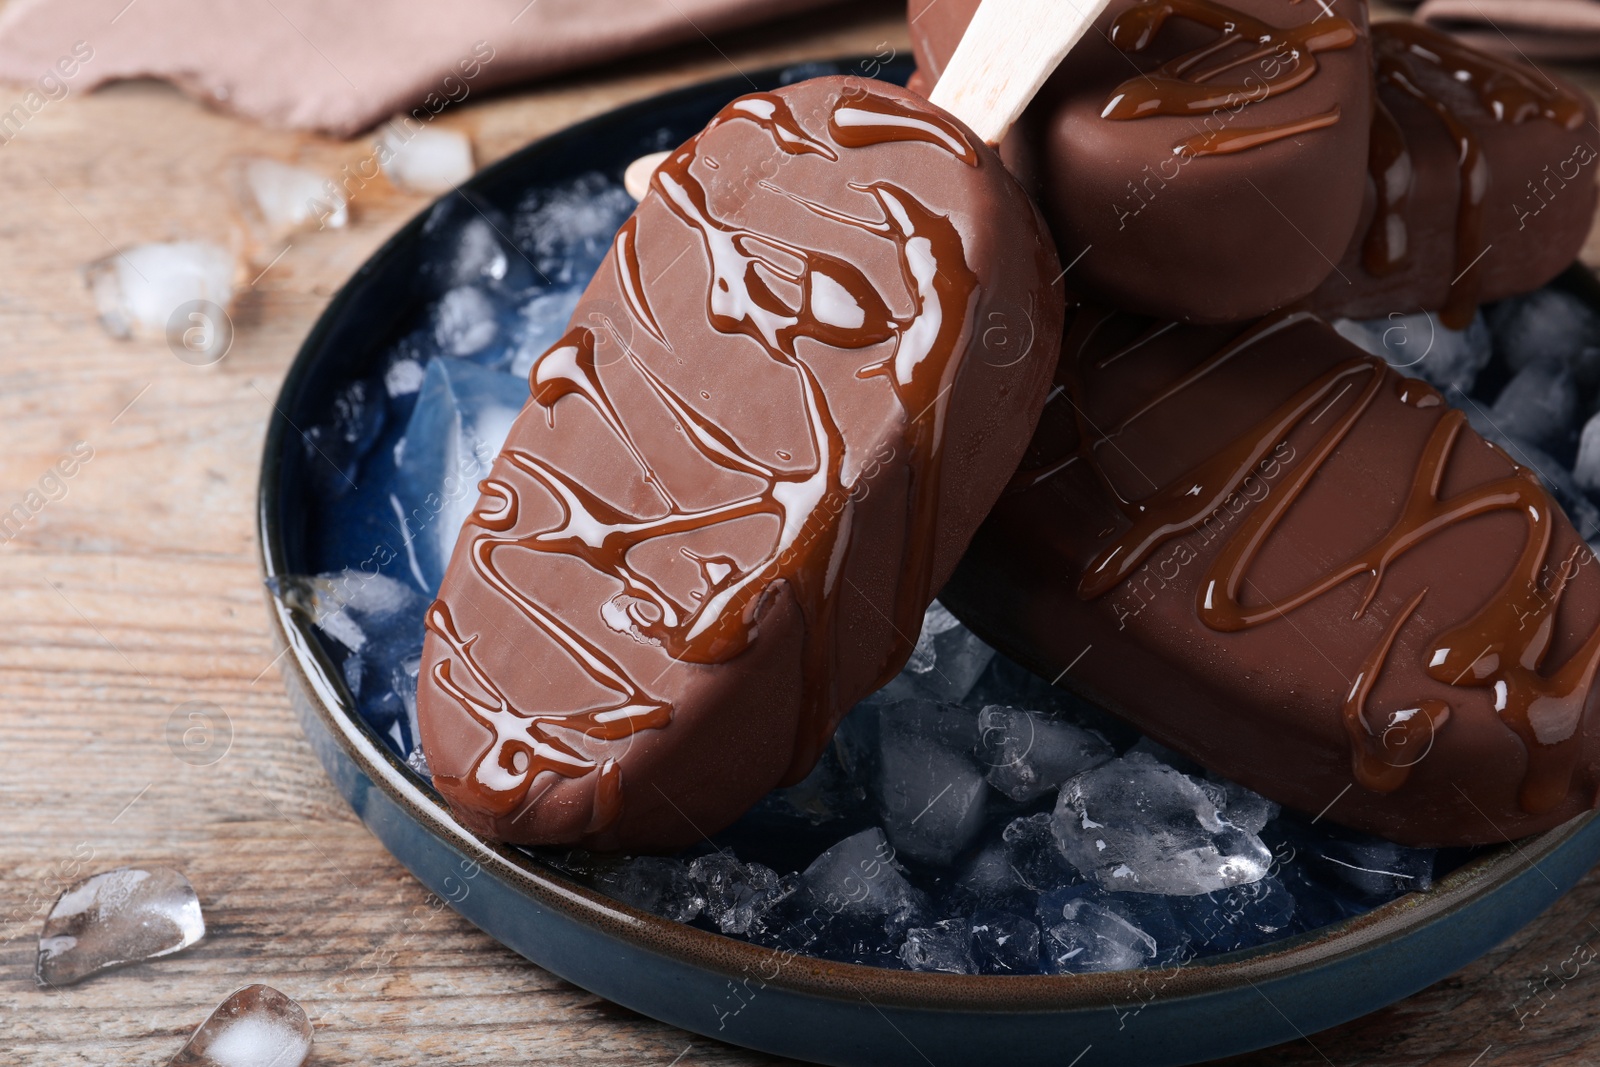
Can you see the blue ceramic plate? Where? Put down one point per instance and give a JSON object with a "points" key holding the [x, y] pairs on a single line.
{"points": [[779, 1002]]}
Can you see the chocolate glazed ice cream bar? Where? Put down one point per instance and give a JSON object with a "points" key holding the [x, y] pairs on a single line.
{"points": [[1481, 181], [1200, 160], [793, 390], [1274, 554]]}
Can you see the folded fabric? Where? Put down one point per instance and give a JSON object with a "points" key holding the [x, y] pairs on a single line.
{"points": [[340, 67], [1530, 29]]}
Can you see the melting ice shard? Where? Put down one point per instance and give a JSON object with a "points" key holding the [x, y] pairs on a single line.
{"points": [[116, 918], [255, 1027]]}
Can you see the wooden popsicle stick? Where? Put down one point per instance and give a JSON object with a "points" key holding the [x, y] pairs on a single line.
{"points": [[1008, 50], [636, 179]]}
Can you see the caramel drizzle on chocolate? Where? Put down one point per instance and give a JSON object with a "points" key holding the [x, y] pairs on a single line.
{"points": [[837, 307], [1186, 85], [1508, 93], [1502, 648]]}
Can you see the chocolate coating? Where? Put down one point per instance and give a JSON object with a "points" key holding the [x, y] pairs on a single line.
{"points": [[1481, 181], [1272, 553], [1203, 174], [791, 393]]}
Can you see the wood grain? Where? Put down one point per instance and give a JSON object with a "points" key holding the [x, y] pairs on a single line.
{"points": [[137, 592], [1008, 50]]}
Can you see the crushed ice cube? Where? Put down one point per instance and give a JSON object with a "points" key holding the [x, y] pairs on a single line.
{"points": [[1556, 478], [930, 790], [656, 884], [736, 894], [1539, 405], [1034, 856], [1239, 917], [859, 878], [403, 378], [1420, 346], [945, 663], [944, 946], [1586, 468], [284, 198], [1022, 860], [335, 449], [464, 321], [348, 605], [541, 323], [1029, 754], [138, 291], [1137, 825], [567, 229], [1004, 942], [462, 416], [1548, 325], [1242, 808], [255, 1027], [426, 159], [466, 240], [116, 918], [377, 620], [1081, 936]]}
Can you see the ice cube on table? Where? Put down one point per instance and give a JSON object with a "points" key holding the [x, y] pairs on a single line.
{"points": [[1420, 346], [859, 878], [1540, 406], [1004, 942], [462, 416], [736, 894], [945, 946], [255, 1027], [1548, 324], [424, 159], [1137, 825], [945, 663], [656, 884], [284, 198], [1087, 936], [464, 321], [1028, 754], [930, 791], [139, 291], [116, 918]]}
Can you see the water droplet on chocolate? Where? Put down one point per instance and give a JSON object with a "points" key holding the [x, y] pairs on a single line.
{"points": [[255, 1027], [116, 918]]}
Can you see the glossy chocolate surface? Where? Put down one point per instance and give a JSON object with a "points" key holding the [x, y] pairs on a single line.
{"points": [[1271, 552], [1481, 186], [794, 388], [1205, 159]]}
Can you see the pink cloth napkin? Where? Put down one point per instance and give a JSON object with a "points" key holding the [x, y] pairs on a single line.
{"points": [[1533, 29], [343, 65]]}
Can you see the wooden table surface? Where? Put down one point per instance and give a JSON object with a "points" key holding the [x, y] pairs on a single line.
{"points": [[137, 591]]}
